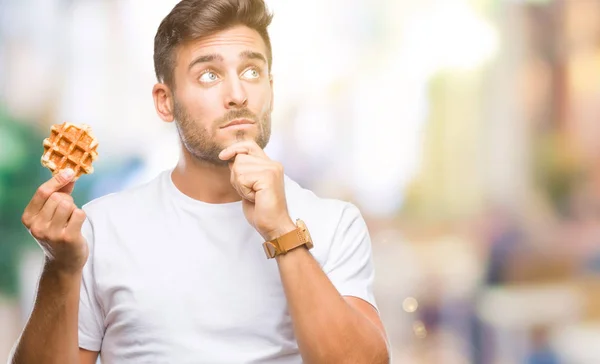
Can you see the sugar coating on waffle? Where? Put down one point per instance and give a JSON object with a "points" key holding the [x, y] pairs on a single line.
{"points": [[70, 146]]}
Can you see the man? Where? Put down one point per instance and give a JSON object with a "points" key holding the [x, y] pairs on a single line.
{"points": [[173, 271]]}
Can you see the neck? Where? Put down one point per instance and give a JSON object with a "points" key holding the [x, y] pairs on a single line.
{"points": [[203, 181]]}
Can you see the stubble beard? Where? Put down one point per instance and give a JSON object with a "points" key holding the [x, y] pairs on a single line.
{"points": [[200, 143]]}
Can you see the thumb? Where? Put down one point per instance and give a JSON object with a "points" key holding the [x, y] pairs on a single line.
{"points": [[60, 180], [63, 181]]}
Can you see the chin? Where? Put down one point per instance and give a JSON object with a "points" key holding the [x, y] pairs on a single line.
{"points": [[238, 135], [232, 136]]}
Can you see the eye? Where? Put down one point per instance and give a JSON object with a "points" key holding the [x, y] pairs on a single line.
{"points": [[208, 77], [251, 74]]}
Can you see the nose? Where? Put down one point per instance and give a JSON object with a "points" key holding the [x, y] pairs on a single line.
{"points": [[236, 96]]}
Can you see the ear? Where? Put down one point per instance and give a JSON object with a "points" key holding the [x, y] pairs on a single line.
{"points": [[163, 102], [272, 92]]}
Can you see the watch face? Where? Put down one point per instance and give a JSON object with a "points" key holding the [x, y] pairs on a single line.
{"points": [[307, 237]]}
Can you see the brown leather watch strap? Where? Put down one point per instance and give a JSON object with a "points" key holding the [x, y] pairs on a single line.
{"points": [[289, 241]]}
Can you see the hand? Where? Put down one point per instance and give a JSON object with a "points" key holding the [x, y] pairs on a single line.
{"points": [[259, 181], [55, 222]]}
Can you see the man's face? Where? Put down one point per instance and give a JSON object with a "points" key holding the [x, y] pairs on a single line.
{"points": [[222, 79]]}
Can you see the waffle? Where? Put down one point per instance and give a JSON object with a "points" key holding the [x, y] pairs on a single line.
{"points": [[70, 146]]}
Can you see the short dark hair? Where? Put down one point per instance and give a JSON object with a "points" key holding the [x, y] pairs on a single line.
{"points": [[193, 19]]}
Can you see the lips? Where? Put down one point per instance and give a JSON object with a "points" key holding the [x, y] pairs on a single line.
{"points": [[238, 122]]}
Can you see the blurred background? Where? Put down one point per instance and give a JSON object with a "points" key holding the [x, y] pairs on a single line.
{"points": [[466, 131]]}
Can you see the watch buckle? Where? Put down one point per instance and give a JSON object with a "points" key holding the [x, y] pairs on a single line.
{"points": [[270, 249]]}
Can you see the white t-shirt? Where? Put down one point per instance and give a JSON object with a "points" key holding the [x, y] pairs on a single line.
{"points": [[174, 280]]}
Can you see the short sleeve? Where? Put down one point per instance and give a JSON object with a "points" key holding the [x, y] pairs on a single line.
{"points": [[349, 264], [91, 327]]}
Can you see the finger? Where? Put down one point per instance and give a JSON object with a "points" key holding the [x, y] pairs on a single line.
{"points": [[244, 147], [244, 186], [76, 222], [49, 208], [248, 163], [68, 188], [61, 217], [43, 193], [245, 164], [63, 196]]}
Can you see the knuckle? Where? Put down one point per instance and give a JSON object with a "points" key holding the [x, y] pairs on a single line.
{"points": [[43, 192], [38, 232], [80, 213], [57, 236], [65, 204], [51, 237], [55, 197], [65, 196], [25, 219], [64, 237], [275, 169]]}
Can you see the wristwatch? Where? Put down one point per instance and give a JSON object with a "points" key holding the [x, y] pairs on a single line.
{"points": [[292, 240]]}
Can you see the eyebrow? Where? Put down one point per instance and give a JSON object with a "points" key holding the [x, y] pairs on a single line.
{"points": [[217, 57], [206, 59], [253, 55]]}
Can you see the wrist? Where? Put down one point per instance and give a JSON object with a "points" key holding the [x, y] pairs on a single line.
{"points": [[62, 272], [293, 254], [57, 282], [283, 228]]}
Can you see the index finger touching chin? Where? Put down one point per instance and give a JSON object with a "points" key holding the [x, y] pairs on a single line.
{"points": [[246, 147]]}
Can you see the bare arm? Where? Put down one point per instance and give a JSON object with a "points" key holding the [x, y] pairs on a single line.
{"points": [[87, 357], [51, 333], [329, 328]]}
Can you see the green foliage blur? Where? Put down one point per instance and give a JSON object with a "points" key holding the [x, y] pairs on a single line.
{"points": [[20, 174]]}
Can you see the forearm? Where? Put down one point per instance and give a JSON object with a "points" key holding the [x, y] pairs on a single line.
{"points": [[327, 328], [51, 333]]}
